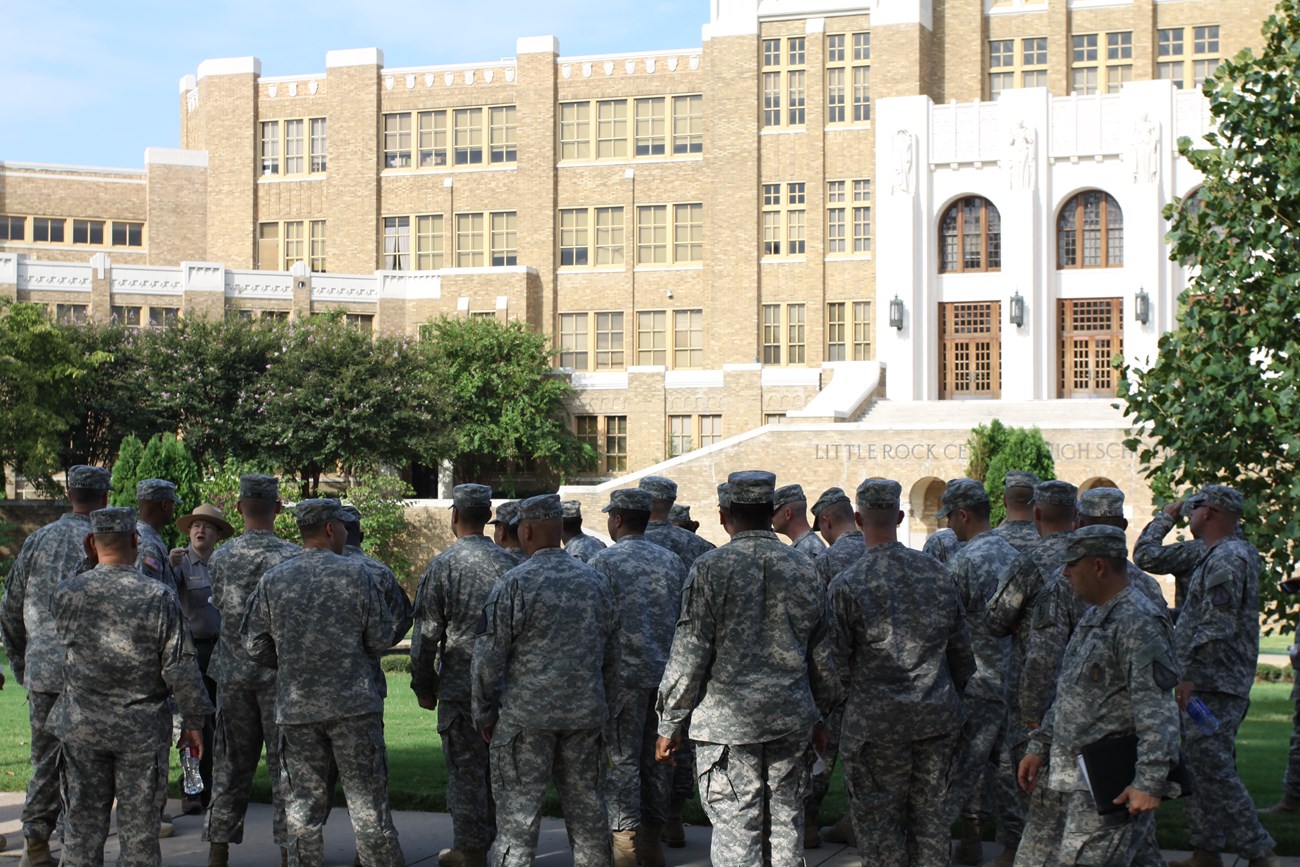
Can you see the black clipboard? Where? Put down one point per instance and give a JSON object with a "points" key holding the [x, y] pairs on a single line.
{"points": [[1108, 766]]}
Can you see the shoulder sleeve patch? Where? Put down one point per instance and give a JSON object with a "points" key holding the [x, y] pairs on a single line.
{"points": [[1164, 677], [152, 565]]}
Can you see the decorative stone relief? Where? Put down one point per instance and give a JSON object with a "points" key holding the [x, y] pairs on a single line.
{"points": [[449, 78], [510, 74], [672, 64], [410, 82], [1021, 162], [586, 70], [566, 70], [1146, 151], [488, 75], [428, 79], [388, 82], [609, 67], [650, 65], [273, 89], [312, 87], [904, 163], [192, 100], [293, 88], [629, 66], [469, 76], [695, 61]]}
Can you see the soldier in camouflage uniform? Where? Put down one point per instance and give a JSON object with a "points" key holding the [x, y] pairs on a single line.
{"points": [[1178, 559], [790, 519], [1018, 526], [506, 530], [126, 649], [646, 580], [245, 690], [1105, 506], [752, 671], [448, 605], [48, 556], [834, 517], [724, 520], [318, 619], [1116, 679], [156, 500], [545, 665], [399, 604], [1217, 642], [680, 516], [942, 545], [902, 651], [576, 542], [975, 568]]}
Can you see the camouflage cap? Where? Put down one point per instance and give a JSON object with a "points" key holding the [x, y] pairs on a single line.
{"points": [[1102, 503], [787, 494], [544, 507], [631, 499], [471, 497], [156, 490], [1222, 497], [506, 513], [112, 520], [350, 514], [752, 487], [256, 486], [1096, 540], [724, 496], [879, 494], [962, 494], [89, 478], [829, 497], [659, 487], [679, 514], [1019, 479], [1054, 493], [318, 510], [571, 509]]}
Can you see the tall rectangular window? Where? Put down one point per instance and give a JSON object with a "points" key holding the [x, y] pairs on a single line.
{"points": [[688, 124], [316, 242], [652, 337], [1119, 59], [836, 218], [861, 330], [574, 242], [575, 130], [295, 148], [609, 341], [796, 333], [616, 443], [611, 129], [470, 241], [786, 82], [835, 331], [772, 235], [431, 139], [652, 235], [796, 219], [1002, 66], [771, 99], [862, 216], [710, 430], [467, 143], [397, 243], [505, 238], [429, 242], [688, 339], [609, 236], [681, 434], [501, 134], [294, 244], [651, 127], [688, 233], [573, 341], [1173, 61], [268, 246], [797, 106], [1083, 67], [587, 429], [319, 143], [397, 141], [270, 147], [771, 333], [848, 77]]}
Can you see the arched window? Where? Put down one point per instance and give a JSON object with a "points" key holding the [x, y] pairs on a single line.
{"points": [[970, 236], [1090, 232]]}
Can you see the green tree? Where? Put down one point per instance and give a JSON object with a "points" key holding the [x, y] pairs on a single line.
{"points": [[126, 473], [995, 448], [165, 457], [381, 501], [507, 405], [1219, 403]]}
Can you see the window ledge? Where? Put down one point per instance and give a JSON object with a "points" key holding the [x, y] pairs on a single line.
{"points": [[776, 130], [772, 260], [858, 126], [445, 170], [585, 269], [280, 179], [629, 161], [854, 257], [644, 268]]}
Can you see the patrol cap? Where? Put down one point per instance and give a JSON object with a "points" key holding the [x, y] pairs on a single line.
{"points": [[829, 497], [1055, 492], [631, 499], [724, 495], [787, 494], [1102, 503], [114, 519], [571, 509], [679, 513], [1221, 497], [351, 514], [659, 487], [255, 486], [1019, 479], [879, 494], [752, 487], [471, 497], [506, 513], [543, 507], [157, 490], [1096, 540], [962, 494], [89, 478], [318, 510]]}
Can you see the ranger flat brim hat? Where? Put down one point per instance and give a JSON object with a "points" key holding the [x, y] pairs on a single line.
{"points": [[211, 514]]}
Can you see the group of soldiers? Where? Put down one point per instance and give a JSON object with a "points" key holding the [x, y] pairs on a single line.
{"points": [[956, 685]]}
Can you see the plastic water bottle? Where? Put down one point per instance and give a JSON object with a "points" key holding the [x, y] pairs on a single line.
{"points": [[1202, 717], [193, 783]]}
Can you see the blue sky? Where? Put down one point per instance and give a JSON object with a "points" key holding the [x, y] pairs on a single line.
{"points": [[96, 83]]}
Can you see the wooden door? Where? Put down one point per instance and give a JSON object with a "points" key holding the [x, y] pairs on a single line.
{"points": [[970, 351]]}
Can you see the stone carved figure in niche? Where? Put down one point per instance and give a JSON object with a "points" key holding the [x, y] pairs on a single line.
{"points": [[1022, 161], [904, 161], [1146, 151]]}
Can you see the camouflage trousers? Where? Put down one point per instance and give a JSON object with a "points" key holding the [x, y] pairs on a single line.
{"points": [[469, 781], [1014, 806], [356, 745], [754, 796], [92, 779], [43, 805], [980, 787], [896, 794], [1221, 814], [637, 788], [245, 720], [1040, 845], [1291, 779], [1088, 842], [523, 761], [820, 783], [683, 785]]}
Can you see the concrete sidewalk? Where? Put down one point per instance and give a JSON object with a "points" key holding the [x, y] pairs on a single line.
{"points": [[423, 835]]}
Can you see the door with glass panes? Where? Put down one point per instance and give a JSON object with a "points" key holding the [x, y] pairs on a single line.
{"points": [[1091, 334], [970, 350]]}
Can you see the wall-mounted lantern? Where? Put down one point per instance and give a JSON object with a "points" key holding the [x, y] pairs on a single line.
{"points": [[1142, 306], [896, 313], [1017, 311]]}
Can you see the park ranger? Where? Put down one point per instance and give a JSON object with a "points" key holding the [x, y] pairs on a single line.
{"points": [[545, 663], [448, 605], [576, 542], [48, 555], [318, 619], [790, 519]]}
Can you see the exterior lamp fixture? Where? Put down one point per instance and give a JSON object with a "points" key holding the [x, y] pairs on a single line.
{"points": [[896, 313], [1017, 312], [1142, 306]]}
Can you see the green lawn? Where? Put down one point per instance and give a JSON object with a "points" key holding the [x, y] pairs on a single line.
{"points": [[1276, 643], [418, 780]]}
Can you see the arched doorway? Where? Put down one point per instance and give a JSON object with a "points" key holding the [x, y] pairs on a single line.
{"points": [[1097, 482], [923, 505]]}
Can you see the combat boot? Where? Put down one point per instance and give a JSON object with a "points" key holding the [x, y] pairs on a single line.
{"points": [[1200, 858], [474, 858], [219, 855], [1286, 806], [969, 842], [649, 847], [1268, 859], [674, 833], [4, 842], [840, 833], [812, 835], [37, 853], [624, 848], [1006, 859]]}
